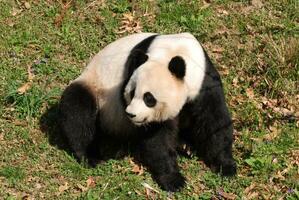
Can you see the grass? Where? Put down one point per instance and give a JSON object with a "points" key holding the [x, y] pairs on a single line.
{"points": [[45, 44]]}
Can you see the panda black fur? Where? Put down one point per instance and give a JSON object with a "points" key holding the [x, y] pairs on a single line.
{"points": [[149, 91]]}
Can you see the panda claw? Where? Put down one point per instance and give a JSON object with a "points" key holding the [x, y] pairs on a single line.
{"points": [[171, 182], [93, 162], [225, 169]]}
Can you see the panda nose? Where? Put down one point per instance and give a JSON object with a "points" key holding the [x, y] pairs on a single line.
{"points": [[130, 114]]}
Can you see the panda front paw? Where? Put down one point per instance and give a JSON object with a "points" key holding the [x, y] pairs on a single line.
{"points": [[93, 162], [171, 182], [225, 168], [229, 168]]}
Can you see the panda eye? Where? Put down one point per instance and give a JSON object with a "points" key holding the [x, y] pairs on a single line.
{"points": [[149, 99]]}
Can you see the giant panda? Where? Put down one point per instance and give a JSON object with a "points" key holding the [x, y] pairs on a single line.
{"points": [[149, 92]]}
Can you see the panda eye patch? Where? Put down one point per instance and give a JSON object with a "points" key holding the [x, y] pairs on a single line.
{"points": [[149, 99]]}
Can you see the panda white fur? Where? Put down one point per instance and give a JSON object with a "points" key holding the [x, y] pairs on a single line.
{"points": [[147, 92]]}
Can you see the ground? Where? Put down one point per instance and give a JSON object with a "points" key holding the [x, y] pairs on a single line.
{"points": [[45, 44]]}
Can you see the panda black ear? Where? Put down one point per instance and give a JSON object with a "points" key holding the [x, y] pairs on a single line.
{"points": [[177, 67], [139, 57], [136, 58]]}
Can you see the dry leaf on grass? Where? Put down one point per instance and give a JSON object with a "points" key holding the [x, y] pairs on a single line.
{"points": [[217, 49], [249, 192], [250, 93], [27, 86], [59, 18], [146, 185], [283, 111], [253, 195], [272, 135], [24, 88], [27, 5], [137, 169], [130, 24], [30, 73], [229, 196], [222, 11], [16, 11], [249, 188], [38, 186], [63, 188], [257, 3], [81, 187], [90, 182], [150, 191], [206, 4], [26, 197]]}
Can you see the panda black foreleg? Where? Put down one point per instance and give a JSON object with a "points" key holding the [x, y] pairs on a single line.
{"points": [[158, 153], [78, 117], [209, 130], [219, 151]]}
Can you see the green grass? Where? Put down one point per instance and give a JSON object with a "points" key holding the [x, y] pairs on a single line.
{"points": [[255, 45]]}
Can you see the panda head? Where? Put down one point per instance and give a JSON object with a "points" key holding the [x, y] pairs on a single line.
{"points": [[156, 91]]}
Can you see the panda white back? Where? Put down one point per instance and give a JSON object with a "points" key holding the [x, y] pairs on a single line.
{"points": [[108, 65]]}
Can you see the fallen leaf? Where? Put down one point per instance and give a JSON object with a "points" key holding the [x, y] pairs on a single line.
{"points": [[253, 195], [225, 195], [283, 111], [130, 24], [257, 3], [128, 16], [15, 11], [24, 88], [146, 185], [275, 160], [20, 123], [235, 81], [26, 197], [279, 176], [27, 5], [38, 186], [137, 192], [30, 73], [90, 182], [81, 187], [63, 188], [138, 169], [217, 50], [206, 4], [222, 11], [272, 135], [59, 19], [250, 93], [249, 188], [10, 22]]}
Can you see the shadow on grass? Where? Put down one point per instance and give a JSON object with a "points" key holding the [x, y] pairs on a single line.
{"points": [[49, 125], [101, 149]]}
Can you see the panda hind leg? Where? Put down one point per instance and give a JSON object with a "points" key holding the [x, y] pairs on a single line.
{"points": [[78, 114]]}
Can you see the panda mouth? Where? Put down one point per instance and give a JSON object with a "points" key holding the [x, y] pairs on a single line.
{"points": [[138, 123]]}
